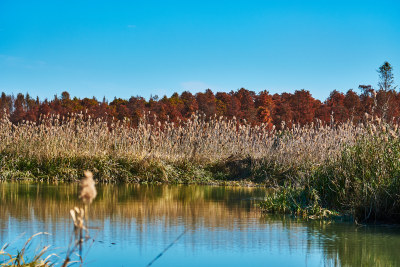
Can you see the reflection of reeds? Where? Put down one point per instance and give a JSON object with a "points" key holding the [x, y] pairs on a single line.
{"points": [[215, 205], [210, 213], [87, 193], [142, 204]]}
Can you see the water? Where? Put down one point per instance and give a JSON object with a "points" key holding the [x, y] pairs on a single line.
{"points": [[221, 226]]}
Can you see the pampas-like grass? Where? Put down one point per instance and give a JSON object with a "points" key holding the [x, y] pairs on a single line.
{"points": [[80, 217], [57, 148], [88, 190]]}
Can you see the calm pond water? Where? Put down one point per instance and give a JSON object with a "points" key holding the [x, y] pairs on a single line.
{"points": [[221, 227]]}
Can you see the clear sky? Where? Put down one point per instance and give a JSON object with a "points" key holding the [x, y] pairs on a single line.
{"points": [[128, 48]]}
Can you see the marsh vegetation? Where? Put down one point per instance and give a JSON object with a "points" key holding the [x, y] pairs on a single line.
{"points": [[315, 169]]}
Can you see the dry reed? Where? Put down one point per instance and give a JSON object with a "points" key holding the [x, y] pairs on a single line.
{"points": [[80, 218], [88, 190], [20, 259], [61, 147]]}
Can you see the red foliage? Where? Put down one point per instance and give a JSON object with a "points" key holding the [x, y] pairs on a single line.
{"points": [[243, 104]]}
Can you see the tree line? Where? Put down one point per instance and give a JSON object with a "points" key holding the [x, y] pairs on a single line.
{"points": [[245, 105]]}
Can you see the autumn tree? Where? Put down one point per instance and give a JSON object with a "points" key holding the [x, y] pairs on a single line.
{"points": [[173, 106], [367, 97], [265, 107], [137, 108], [6, 104], [120, 109], [335, 102], [44, 108], [190, 105], [323, 113], [234, 106], [303, 106], [19, 109], [247, 109], [207, 103], [283, 111], [56, 106], [353, 105], [32, 108], [223, 101]]}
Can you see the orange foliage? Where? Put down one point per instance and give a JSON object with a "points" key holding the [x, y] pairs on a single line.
{"points": [[255, 108]]}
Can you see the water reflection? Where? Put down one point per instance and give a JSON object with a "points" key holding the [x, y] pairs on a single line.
{"points": [[223, 228]]}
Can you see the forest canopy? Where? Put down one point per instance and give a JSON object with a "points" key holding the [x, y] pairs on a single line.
{"points": [[245, 105]]}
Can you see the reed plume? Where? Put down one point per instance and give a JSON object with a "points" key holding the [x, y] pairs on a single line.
{"points": [[80, 217], [88, 190]]}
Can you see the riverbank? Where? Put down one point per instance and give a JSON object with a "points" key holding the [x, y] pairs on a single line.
{"points": [[116, 170], [314, 171], [363, 183]]}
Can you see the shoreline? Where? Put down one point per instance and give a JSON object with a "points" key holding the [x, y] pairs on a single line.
{"points": [[270, 205], [315, 171]]}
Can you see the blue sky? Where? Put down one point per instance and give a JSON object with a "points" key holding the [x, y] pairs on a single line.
{"points": [[128, 48]]}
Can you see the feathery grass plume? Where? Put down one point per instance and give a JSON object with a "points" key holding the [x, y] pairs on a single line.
{"points": [[87, 194], [88, 190], [80, 217]]}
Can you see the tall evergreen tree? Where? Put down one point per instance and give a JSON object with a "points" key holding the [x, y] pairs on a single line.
{"points": [[386, 78]]}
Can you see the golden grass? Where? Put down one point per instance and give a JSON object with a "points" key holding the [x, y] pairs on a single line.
{"points": [[68, 144]]}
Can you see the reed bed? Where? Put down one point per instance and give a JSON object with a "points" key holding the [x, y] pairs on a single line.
{"points": [[195, 150], [361, 182], [315, 169]]}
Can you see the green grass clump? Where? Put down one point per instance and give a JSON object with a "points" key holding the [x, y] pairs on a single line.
{"points": [[363, 182], [301, 202]]}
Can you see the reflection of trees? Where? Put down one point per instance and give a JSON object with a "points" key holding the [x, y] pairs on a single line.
{"points": [[193, 206], [345, 244], [23, 201], [217, 217], [365, 246]]}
